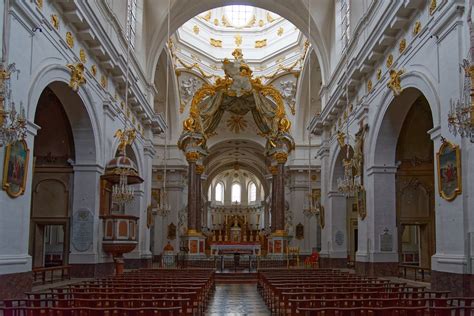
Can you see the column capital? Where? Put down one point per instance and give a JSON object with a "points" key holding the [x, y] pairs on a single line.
{"points": [[281, 157], [199, 169], [273, 170]]}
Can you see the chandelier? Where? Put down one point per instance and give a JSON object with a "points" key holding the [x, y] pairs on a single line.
{"points": [[461, 114], [122, 193], [163, 209], [12, 123], [347, 184]]}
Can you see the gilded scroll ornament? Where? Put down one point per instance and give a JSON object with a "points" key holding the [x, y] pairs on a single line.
{"points": [[94, 70], [207, 16], [82, 55], [280, 31], [281, 157], [270, 19], [261, 43], [369, 86], [196, 29], [432, 7], [215, 42], [402, 46], [69, 40], [394, 82], [238, 40], [389, 61], [55, 21], [125, 137], [417, 28], [103, 81], [379, 74], [192, 156], [77, 76]]}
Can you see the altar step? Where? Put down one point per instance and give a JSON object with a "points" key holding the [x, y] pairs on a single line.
{"points": [[236, 277]]}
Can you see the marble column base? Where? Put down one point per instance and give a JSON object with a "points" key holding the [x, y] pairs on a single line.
{"points": [[15, 285], [377, 269], [97, 270], [196, 244], [458, 284]]}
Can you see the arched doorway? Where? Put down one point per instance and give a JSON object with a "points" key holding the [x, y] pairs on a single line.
{"points": [[415, 187], [53, 181]]}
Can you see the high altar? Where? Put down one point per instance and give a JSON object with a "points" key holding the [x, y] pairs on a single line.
{"points": [[236, 237]]}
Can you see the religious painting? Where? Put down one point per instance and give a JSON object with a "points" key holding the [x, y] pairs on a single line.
{"points": [[171, 231], [449, 171], [299, 231], [155, 198], [277, 246], [361, 205], [15, 168], [193, 246]]}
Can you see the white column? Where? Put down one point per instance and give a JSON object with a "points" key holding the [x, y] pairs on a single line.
{"points": [[336, 225]]}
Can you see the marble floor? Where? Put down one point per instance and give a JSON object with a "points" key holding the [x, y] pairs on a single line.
{"points": [[237, 299]]}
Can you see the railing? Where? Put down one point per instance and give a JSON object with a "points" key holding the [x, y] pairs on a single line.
{"points": [[416, 273], [42, 272]]}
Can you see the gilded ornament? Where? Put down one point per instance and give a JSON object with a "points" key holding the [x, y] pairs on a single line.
{"points": [[394, 82], [216, 22], [192, 156], [39, 4], [273, 170], [369, 86], [55, 21], [237, 123], [215, 42], [225, 22], [402, 46], [261, 43], [125, 137], [270, 19], [389, 61], [432, 6], [280, 31], [77, 76], [207, 16], [199, 169], [128, 113], [238, 40], [281, 157], [284, 125], [252, 21], [196, 29], [417, 28], [69, 40], [103, 81], [379, 74], [82, 55], [94, 70], [122, 105], [261, 23]]}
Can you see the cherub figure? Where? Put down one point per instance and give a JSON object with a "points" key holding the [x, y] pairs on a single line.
{"points": [[77, 76]]}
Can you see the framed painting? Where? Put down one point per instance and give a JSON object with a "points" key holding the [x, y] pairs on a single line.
{"points": [[449, 171], [15, 168]]}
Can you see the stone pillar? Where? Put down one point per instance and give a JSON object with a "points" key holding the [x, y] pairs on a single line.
{"points": [[280, 194], [336, 230], [199, 171], [377, 252], [192, 157], [274, 171]]}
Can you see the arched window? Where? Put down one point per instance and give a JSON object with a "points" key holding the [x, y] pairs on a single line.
{"points": [[236, 192], [252, 192], [219, 192]]}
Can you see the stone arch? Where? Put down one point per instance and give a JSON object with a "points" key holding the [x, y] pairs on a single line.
{"points": [[182, 11], [78, 107], [389, 117]]}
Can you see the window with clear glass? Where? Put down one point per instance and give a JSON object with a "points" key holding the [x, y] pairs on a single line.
{"points": [[236, 193], [132, 21], [238, 15], [219, 192], [345, 22], [252, 192]]}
